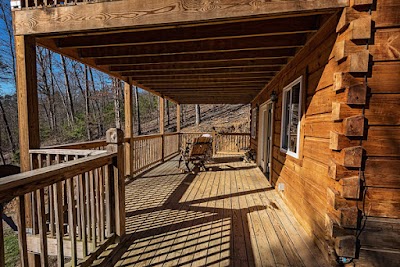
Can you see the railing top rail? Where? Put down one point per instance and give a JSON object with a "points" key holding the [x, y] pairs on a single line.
{"points": [[26, 182], [195, 132], [169, 134], [244, 134], [77, 152], [144, 137], [80, 145], [219, 133]]}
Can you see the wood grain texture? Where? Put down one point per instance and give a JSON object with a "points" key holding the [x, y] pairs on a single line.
{"points": [[122, 14]]}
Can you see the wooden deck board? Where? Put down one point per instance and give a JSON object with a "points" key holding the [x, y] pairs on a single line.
{"points": [[228, 216]]}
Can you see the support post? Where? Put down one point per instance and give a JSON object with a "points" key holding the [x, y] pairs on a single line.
{"points": [[115, 143], [178, 124], [28, 117], [178, 118], [162, 123], [128, 128]]}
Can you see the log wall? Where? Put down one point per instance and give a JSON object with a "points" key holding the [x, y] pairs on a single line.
{"points": [[345, 186]]}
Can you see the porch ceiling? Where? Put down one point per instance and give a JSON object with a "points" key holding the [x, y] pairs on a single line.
{"points": [[227, 61]]}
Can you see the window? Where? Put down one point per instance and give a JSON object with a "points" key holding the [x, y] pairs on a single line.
{"points": [[291, 115]]}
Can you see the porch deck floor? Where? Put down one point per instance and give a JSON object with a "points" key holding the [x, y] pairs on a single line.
{"points": [[229, 216]]}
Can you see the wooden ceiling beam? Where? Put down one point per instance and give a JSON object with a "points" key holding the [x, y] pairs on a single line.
{"points": [[194, 66], [228, 76], [202, 71], [240, 29], [253, 54], [161, 86], [209, 74], [206, 80], [127, 14], [214, 100], [210, 46]]}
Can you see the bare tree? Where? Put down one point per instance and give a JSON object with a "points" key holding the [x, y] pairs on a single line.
{"points": [[139, 130], [117, 103], [167, 111], [68, 88], [198, 118]]}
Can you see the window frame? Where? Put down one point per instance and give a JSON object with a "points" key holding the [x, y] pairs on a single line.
{"points": [[283, 118]]}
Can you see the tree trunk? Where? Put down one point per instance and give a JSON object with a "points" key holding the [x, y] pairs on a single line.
{"points": [[10, 136], [167, 111], [139, 130], [117, 104], [198, 118], [87, 105], [68, 87], [96, 106]]}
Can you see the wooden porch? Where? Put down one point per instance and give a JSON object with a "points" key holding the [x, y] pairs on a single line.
{"points": [[227, 216]]}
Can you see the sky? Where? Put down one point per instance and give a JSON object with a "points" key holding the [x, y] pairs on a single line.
{"points": [[5, 87]]}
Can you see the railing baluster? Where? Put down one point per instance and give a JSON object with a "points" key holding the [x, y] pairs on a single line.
{"points": [[51, 201], [109, 190], [78, 204], [83, 212], [72, 221], [88, 210], [92, 209], [97, 197], [57, 188], [101, 183], [2, 252], [23, 249], [42, 227]]}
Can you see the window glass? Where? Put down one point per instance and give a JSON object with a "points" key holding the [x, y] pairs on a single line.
{"points": [[294, 117], [291, 115]]}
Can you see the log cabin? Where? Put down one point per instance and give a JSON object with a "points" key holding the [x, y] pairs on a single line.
{"points": [[322, 80]]}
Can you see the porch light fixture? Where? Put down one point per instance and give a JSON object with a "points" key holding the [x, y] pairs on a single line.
{"points": [[274, 96]]}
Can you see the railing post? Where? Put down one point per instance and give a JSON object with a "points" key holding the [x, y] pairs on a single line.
{"points": [[115, 141], [128, 127], [162, 129], [214, 142]]}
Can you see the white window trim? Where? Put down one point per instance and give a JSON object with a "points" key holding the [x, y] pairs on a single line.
{"points": [[287, 88]]}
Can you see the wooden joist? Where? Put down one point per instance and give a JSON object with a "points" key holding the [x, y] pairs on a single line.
{"points": [[204, 46], [254, 27]]}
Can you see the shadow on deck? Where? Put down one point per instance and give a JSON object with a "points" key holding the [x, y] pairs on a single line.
{"points": [[229, 216]]}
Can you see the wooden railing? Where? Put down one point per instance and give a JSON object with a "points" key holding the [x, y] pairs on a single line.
{"points": [[223, 143], [77, 207], [90, 145], [49, 3], [78, 194], [231, 143], [171, 144], [145, 151]]}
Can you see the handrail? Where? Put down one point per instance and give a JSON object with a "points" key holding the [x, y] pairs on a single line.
{"points": [[77, 152], [81, 145], [84, 189], [27, 182]]}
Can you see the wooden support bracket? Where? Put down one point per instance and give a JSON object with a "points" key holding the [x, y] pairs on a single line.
{"points": [[354, 91], [358, 24], [361, 29], [334, 229], [349, 217], [354, 56], [341, 111], [337, 202], [351, 187], [349, 156], [337, 172], [345, 246]]}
